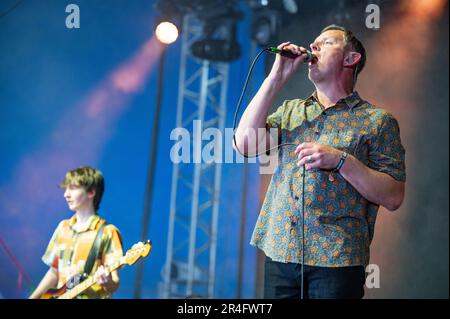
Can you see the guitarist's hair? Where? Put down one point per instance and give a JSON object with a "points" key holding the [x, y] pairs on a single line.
{"points": [[89, 178]]}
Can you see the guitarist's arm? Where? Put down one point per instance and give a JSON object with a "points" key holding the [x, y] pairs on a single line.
{"points": [[113, 251], [49, 281]]}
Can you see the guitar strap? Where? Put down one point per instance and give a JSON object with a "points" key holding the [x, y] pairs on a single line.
{"points": [[95, 249]]}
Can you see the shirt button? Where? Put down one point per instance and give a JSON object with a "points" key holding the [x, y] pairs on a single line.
{"points": [[296, 198]]}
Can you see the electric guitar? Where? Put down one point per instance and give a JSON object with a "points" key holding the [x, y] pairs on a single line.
{"points": [[79, 283]]}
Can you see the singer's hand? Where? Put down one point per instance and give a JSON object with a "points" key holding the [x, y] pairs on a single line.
{"points": [[314, 155], [284, 68]]}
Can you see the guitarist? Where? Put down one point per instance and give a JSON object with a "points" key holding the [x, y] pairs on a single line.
{"points": [[74, 243]]}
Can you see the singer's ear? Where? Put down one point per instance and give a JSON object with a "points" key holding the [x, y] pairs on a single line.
{"points": [[352, 58]]}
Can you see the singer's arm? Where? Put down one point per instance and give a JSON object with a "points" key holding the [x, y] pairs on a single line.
{"points": [[377, 187], [247, 139]]}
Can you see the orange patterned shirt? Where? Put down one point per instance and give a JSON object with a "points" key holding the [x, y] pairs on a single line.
{"points": [[69, 248]]}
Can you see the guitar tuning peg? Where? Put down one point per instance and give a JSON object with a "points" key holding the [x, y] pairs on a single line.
{"points": [[137, 245]]}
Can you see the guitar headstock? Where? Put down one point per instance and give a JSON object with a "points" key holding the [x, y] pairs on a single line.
{"points": [[137, 251]]}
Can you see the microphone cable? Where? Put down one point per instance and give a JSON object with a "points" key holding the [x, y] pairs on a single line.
{"points": [[272, 50]]}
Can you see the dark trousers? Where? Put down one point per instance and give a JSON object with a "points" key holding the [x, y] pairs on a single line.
{"points": [[283, 281]]}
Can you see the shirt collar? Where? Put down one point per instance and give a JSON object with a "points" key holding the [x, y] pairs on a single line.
{"points": [[91, 225], [351, 100]]}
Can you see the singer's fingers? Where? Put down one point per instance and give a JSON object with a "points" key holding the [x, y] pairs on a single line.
{"points": [[305, 152], [291, 47], [302, 50], [303, 146], [299, 49], [282, 45], [308, 161]]}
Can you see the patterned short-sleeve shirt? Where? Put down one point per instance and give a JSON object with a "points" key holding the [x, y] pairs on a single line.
{"points": [[69, 248], [338, 221]]}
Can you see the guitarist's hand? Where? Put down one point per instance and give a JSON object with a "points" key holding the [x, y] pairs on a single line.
{"points": [[103, 277]]}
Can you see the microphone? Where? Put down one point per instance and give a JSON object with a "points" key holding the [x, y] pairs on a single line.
{"points": [[289, 54]]}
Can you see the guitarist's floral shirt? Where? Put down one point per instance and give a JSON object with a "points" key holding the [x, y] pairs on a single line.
{"points": [[69, 248], [339, 222]]}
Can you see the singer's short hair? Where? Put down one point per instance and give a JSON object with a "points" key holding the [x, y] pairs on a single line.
{"points": [[352, 43], [90, 179]]}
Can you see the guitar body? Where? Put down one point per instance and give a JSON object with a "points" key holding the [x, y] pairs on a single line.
{"points": [[79, 283], [54, 293]]}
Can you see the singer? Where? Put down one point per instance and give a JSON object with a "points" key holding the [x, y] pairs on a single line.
{"points": [[316, 229]]}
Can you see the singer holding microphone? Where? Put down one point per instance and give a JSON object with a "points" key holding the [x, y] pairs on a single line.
{"points": [[315, 229]]}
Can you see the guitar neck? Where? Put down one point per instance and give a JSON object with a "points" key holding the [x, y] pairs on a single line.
{"points": [[78, 289]]}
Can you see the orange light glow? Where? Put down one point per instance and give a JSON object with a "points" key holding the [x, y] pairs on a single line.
{"points": [[426, 9]]}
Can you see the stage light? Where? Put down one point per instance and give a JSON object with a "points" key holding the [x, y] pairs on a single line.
{"points": [[166, 32], [218, 42], [168, 23], [268, 17], [265, 26], [216, 50], [257, 4], [290, 6]]}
